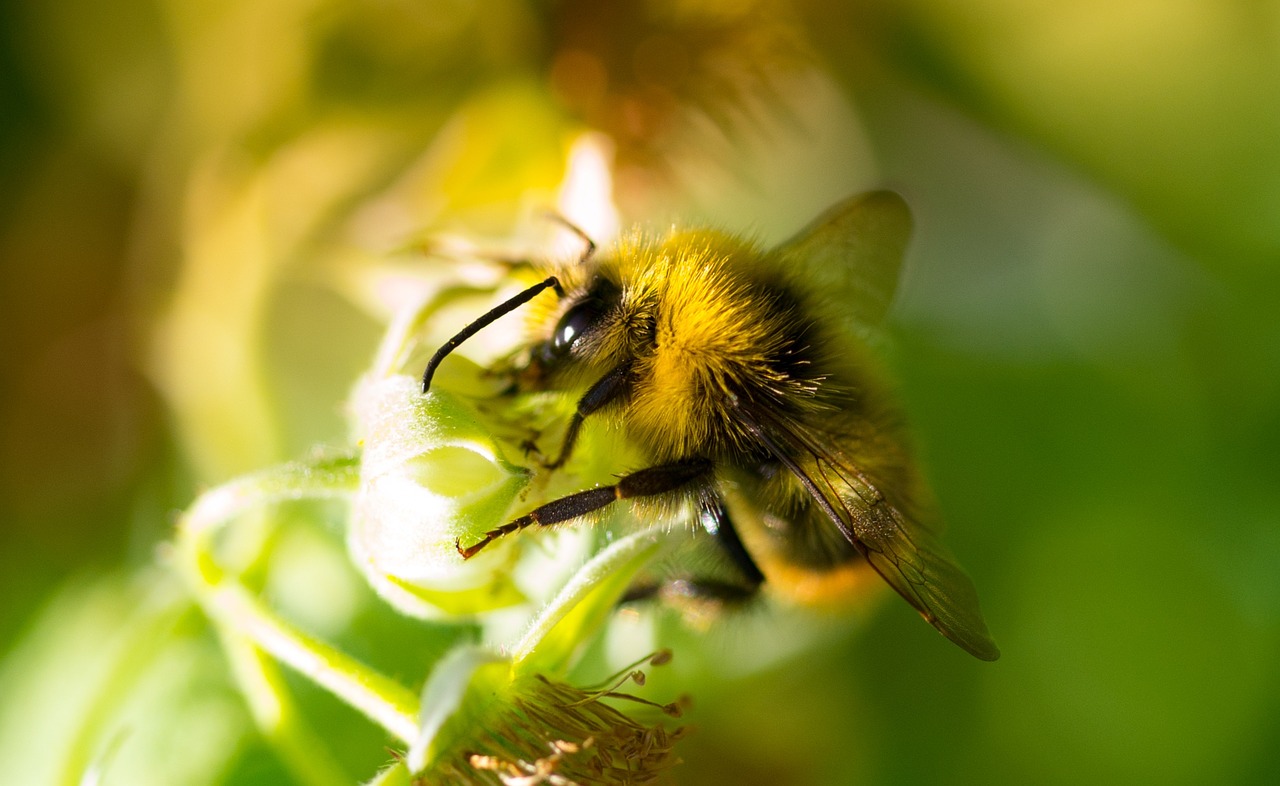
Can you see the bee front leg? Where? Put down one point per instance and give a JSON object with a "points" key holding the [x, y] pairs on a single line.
{"points": [[611, 387], [649, 482]]}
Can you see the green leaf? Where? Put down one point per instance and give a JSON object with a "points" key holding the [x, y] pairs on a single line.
{"points": [[576, 614], [395, 775]]}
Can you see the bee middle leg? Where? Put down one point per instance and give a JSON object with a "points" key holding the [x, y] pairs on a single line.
{"points": [[649, 482], [714, 518]]}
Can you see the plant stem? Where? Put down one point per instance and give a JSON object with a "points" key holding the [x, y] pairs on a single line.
{"points": [[248, 626]]}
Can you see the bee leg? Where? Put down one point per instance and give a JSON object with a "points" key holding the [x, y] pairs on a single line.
{"points": [[610, 387], [692, 593], [714, 518], [530, 448], [648, 482], [589, 246]]}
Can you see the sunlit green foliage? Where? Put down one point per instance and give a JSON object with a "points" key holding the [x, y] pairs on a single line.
{"points": [[210, 211]]}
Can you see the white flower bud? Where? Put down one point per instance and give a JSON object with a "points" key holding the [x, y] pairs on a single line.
{"points": [[431, 475]]}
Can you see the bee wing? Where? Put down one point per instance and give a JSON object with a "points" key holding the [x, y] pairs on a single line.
{"points": [[851, 255], [908, 555]]}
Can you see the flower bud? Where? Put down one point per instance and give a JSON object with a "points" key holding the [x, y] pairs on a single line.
{"points": [[431, 475]]}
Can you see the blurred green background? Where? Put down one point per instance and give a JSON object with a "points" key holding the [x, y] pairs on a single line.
{"points": [[201, 206]]}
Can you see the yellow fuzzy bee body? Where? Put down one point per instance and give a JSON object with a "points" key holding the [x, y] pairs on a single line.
{"points": [[739, 373], [693, 321]]}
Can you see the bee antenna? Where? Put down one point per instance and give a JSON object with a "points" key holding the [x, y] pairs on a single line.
{"points": [[506, 307], [590, 249]]}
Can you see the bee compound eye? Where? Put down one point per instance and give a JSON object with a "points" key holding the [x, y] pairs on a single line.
{"points": [[575, 322]]}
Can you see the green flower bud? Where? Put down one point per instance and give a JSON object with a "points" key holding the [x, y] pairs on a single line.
{"points": [[432, 475]]}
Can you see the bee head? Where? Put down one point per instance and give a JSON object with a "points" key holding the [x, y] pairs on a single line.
{"points": [[580, 330]]}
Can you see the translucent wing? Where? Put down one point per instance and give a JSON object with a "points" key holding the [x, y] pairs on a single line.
{"points": [[908, 555], [851, 255]]}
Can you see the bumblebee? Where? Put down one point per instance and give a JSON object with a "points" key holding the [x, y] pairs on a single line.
{"points": [[742, 376]]}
